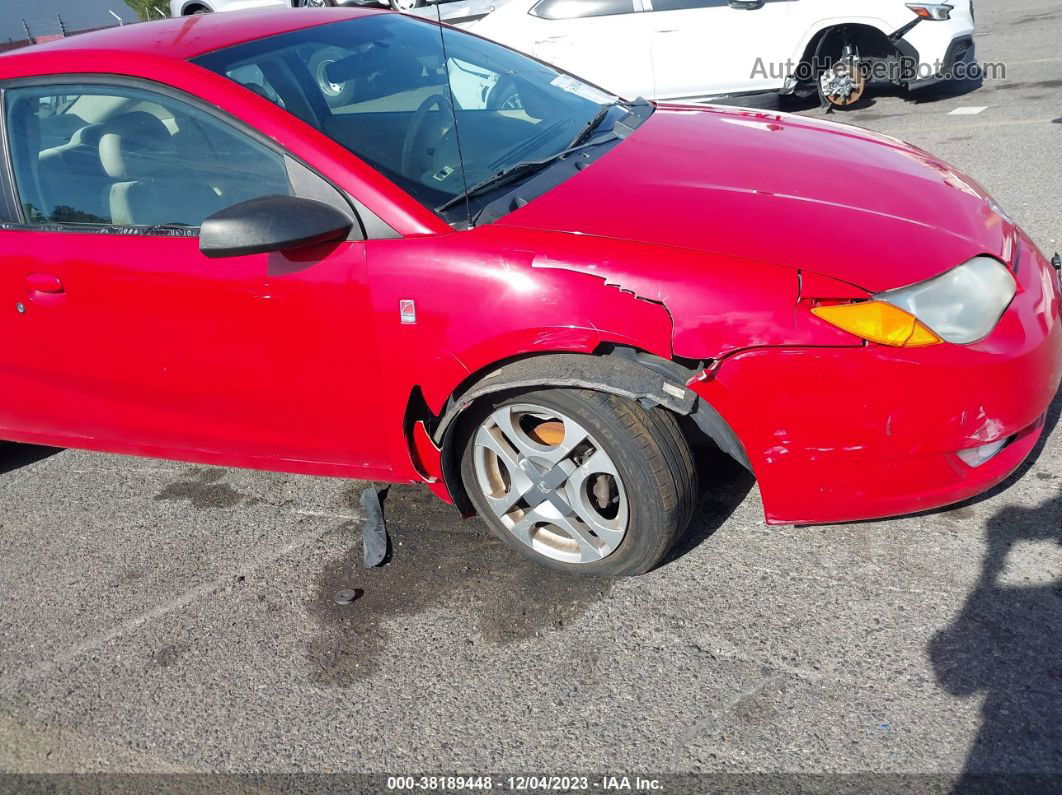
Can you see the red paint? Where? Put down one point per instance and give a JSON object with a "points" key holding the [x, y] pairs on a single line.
{"points": [[705, 235]]}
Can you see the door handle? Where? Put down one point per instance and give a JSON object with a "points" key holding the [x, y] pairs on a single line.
{"points": [[44, 288], [747, 5]]}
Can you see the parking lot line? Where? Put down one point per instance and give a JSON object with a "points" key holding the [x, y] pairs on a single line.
{"points": [[8, 685], [969, 110]]}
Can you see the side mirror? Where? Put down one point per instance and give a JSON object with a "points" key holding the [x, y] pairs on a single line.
{"points": [[272, 223]]}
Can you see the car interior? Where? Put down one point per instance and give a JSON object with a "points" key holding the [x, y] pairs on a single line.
{"points": [[389, 91], [110, 156], [433, 119]]}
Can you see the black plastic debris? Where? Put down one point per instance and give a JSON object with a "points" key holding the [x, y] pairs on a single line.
{"points": [[374, 542], [347, 596]]}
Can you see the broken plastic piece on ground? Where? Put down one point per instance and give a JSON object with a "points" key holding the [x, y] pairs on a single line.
{"points": [[347, 596], [374, 541]]}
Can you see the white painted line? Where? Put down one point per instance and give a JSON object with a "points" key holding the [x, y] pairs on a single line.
{"points": [[970, 110], [9, 684], [326, 515]]}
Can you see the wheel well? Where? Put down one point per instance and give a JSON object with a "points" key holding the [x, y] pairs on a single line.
{"points": [[191, 8], [872, 44], [618, 370]]}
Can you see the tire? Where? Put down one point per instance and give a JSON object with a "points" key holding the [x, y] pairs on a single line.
{"points": [[315, 3], [335, 94], [631, 474]]}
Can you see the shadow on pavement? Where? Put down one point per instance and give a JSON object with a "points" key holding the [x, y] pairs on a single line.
{"points": [[1007, 645], [15, 456], [938, 92], [724, 485]]}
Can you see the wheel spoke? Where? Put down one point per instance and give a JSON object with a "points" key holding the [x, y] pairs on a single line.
{"points": [[493, 440], [503, 419], [522, 529], [574, 434], [519, 484], [589, 546], [610, 531]]}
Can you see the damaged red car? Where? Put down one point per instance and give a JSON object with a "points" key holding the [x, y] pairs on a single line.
{"points": [[357, 244]]}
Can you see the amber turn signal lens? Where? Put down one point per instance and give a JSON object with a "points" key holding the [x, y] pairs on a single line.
{"points": [[879, 322]]}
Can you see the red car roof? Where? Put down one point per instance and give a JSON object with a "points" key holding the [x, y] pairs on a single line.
{"points": [[188, 37]]}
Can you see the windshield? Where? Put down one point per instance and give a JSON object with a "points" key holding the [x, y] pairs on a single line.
{"points": [[388, 89]]}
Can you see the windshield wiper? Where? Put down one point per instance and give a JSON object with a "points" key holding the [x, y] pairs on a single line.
{"points": [[593, 124], [514, 172]]}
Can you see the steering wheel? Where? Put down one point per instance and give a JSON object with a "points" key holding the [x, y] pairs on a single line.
{"points": [[439, 101]]}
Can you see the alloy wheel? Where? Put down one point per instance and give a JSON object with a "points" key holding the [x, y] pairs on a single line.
{"points": [[550, 483]]}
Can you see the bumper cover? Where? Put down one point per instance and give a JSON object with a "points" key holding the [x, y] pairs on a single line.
{"points": [[846, 434], [961, 51]]}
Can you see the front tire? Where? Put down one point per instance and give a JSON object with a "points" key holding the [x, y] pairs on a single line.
{"points": [[580, 481]]}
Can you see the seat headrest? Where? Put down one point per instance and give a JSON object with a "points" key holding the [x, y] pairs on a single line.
{"points": [[135, 146], [88, 136]]}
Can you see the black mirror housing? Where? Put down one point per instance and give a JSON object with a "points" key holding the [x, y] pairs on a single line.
{"points": [[272, 223]]}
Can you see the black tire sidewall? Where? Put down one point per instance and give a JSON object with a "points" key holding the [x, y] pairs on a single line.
{"points": [[651, 531]]}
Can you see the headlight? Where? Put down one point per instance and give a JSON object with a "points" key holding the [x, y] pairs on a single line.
{"points": [[932, 10], [962, 305]]}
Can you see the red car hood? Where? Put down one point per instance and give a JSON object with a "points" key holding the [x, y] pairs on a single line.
{"points": [[813, 195]]}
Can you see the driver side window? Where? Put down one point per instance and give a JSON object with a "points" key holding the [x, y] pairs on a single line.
{"points": [[103, 156]]}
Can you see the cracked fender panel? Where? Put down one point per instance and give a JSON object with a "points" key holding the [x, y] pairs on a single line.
{"points": [[448, 308], [717, 303]]}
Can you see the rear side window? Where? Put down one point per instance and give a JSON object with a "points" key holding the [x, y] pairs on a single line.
{"points": [[113, 156], [574, 9]]}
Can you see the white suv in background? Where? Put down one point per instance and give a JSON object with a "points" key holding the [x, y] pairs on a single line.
{"points": [[693, 50], [183, 8]]}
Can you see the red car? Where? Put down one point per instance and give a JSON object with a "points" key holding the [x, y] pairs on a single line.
{"points": [[491, 277]]}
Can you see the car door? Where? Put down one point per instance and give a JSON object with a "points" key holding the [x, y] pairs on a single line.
{"points": [[703, 48], [121, 335], [603, 41]]}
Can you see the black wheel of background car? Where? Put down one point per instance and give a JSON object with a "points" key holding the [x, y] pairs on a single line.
{"points": [[335, 94], [580, 481], [315, 3]]}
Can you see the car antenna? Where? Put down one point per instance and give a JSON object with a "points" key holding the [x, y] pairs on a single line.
{"points": [[453, 110]]}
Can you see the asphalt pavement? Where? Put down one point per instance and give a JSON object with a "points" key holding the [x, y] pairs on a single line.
{"points": [[170, 618]]}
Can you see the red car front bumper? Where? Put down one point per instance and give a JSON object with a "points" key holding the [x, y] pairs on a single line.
{"points": [[844, 434]]}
